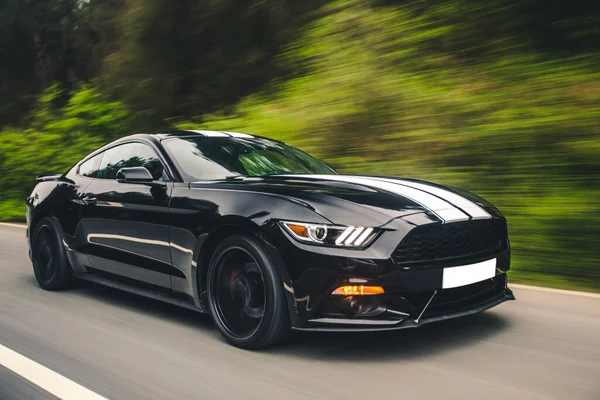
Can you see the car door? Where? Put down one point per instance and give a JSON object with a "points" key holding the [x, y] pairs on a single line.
{"points": [[126, 225]]}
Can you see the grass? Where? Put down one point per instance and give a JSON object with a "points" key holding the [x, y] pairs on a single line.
{"points": [[551, 281], [12, 211]]}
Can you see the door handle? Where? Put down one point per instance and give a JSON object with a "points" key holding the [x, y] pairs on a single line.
{"points": [[89, 201]]}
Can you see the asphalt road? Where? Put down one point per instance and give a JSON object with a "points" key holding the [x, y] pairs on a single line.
{"points": [[542, 346]]}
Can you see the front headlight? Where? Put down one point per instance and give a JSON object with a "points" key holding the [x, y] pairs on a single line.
{"points": [[344, 236]]}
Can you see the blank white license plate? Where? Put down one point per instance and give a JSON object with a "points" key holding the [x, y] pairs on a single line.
{"points": [[467, 274]]}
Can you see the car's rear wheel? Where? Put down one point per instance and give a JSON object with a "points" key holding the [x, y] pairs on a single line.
{"points": [[50, 265], [245, 294]]}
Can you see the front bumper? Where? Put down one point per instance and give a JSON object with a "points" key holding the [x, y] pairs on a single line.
{"points": [[409, 311], [312, 273], [404, 303]]}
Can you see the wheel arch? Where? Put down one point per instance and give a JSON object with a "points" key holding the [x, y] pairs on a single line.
{"points": [[49, 199], [37, 217], [207, 245]]}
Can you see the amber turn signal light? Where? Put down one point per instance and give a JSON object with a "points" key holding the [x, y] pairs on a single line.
{"points": [[358, 290], [299, 230]]}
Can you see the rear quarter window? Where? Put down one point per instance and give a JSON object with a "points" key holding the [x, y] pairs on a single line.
{"points": [[89, 168]]}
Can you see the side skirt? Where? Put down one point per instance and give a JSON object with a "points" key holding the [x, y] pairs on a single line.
{"points": [[140, 290]]}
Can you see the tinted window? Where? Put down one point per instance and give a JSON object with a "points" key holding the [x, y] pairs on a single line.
{"points": [[130, 155], [216, 158], [90, 167]]}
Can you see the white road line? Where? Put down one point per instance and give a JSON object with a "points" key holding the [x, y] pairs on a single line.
{"points": [[550, 290], [45, 378], [13, 225]]}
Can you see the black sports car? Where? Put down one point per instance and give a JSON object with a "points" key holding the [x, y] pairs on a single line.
{"points": [[265, 237]]}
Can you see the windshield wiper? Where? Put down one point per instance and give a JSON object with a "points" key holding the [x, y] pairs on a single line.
{"points": [[234, 177], [270, 173]]}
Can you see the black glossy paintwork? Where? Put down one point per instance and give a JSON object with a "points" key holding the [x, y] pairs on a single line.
{"points": [[127, 230], [164, 233]]}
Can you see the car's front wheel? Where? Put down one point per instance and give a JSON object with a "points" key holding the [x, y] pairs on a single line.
{"points": [[245, 294], [50, 265]]}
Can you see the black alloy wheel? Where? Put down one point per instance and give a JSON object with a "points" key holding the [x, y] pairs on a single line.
{"points": [[50, 265], [46, 254], [245, 294]]}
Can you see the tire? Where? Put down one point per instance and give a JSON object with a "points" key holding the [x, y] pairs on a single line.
{"points": [[245, 294], [50, 265]]}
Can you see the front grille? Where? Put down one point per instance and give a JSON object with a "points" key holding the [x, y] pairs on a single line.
{"points": [[458, 240]]}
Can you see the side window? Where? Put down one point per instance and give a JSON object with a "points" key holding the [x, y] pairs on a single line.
{"points": [[130, 155], [90, 167]]}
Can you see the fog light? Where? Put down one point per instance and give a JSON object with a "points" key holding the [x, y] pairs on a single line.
{"points": [[357, 290], [364, 306]]}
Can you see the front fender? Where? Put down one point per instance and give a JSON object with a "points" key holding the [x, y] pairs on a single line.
{"points": [[201, 218]]}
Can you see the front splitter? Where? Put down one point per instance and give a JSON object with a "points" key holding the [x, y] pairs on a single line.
{"points": [[365, 325]]}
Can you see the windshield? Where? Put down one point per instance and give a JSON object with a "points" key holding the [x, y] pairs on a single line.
{"points": [[203, 158]]}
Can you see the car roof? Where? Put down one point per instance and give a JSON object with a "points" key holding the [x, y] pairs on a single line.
{"points": [[157, 137], [204, 133]]}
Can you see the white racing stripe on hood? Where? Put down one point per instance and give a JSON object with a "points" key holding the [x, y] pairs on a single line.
{"points": [[464, 204], [443, 209]]}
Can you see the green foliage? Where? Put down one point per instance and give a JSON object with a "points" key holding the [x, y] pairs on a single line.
{"points": [[57, 139], [12, 210], [44, 42], [185, 58]]}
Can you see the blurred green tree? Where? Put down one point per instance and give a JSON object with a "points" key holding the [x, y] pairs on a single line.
{"points": [[185, 58], [57, 138], [44, 42]]}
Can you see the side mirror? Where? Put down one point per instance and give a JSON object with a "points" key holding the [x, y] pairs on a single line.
{"points": [[134, 175]]}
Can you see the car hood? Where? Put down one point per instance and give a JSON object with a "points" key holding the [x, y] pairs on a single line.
{"points": [[371, 200]]}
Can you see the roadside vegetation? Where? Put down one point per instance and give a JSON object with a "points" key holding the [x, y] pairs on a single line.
{"points": [[498, 97]]}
